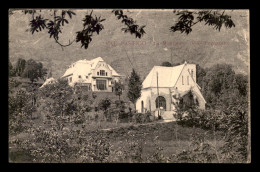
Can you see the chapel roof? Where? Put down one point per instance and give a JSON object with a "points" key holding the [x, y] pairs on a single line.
{"points": [[167, 76]]}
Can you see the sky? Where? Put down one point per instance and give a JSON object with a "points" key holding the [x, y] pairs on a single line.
{"points": [[204, 45]]}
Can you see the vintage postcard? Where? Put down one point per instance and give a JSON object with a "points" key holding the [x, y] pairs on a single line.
{"points": [[129, 86]]}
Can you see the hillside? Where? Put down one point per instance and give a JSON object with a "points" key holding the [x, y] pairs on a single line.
{"points": [[203, 46]]}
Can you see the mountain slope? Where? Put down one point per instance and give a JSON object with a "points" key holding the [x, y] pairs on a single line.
{"points": [[204, 46]]}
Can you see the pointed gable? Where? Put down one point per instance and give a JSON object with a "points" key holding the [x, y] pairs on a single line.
{"points": [[167, 76]]}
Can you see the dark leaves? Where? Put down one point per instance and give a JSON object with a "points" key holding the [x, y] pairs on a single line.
{"points": [[90, 25], [215, 19], [54, 29], [37, 24], [61, 20], [131, 26], [185, 22]]}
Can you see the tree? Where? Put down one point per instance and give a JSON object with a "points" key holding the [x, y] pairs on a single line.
{"points": [[117, 110], [200, 73], [134, 87], [118, 89], [167, 64], [93, 25], [241, 82], [104, 105], [221, 86], [34, 71], [20, 66], [11, 70]]}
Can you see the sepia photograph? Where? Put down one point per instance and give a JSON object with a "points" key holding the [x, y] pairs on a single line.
{"points": [[129, 86]]}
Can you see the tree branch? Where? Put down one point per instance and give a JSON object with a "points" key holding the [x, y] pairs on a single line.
{"points": [[62, 45], [56, 40], [200, 19]]}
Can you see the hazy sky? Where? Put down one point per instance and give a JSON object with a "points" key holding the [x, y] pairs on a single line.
{"points": [[204, 45]]}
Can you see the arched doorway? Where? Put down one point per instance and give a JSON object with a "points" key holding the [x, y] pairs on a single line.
{"points": [[160, 102]]}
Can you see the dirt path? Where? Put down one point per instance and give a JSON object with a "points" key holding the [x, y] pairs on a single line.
{"points": [[137, 125]]}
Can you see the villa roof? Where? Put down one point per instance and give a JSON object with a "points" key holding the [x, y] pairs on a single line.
{"points": [[84, 67]]}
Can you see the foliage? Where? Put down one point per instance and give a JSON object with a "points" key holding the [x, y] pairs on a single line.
{"points": [[19, 108], [235, 148], [167, 64], [187, 101], [56, 97], [49, 146], [157, 156], [134, 87], [200, 74], [90, 26], [12, 85], [11, 69], [54, 25], [221, 87], [199, 151], [34, 71], [95, 148], [118, 89], [116, 110], [37, 24], [20, 66], [233, 122], [211, 18], [141, 118], [131, 25], [104, 105]]}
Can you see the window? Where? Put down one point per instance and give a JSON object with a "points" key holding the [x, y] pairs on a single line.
{"points": [[102, 72], [191, 73], [79, 76], [106, 73], [70, 79], [101, 84], [182, 80], [97, 73], [188, 80], [86, 77]]}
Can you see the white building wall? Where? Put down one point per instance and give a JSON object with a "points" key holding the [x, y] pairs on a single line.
{"points": [[148, 96], [184, 83]]}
